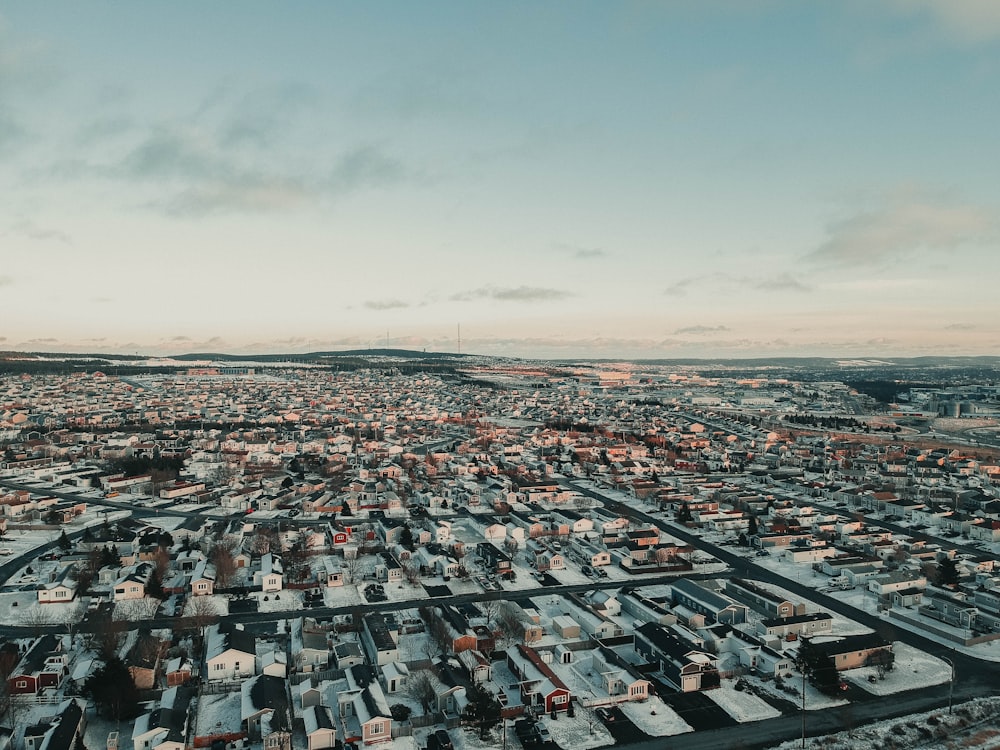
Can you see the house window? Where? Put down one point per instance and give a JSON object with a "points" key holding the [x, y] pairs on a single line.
{"points": [[378, 728], [560, 699], [22, 683]]}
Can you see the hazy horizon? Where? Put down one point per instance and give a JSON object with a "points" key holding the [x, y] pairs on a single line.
{"points": [[626, 180]]}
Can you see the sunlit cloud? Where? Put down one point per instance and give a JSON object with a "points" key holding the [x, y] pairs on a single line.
{"points": [[901, 228], [386, 304], [512, 294], [700, 330], [964, 20]]}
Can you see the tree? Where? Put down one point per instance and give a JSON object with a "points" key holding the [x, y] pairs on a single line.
{"points": [[483, 709], [684, 513], [64, 543], [437, 629], [510, 625], [221, 556], [406, 537], [112, 690], [420, 687], [400, 711], [947, 571], [202, 611], [819, 667], [752, 526], [296, 561], [352, 569]]}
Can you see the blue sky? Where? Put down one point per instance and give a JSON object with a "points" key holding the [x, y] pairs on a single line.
{"points": [[562, 179]]}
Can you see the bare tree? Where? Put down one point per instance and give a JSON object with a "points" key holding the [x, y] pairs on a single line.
{"points": [[137, 609], [510, 625], [203, 612], [412, 573], [264, 541], [352, 569], [35, 617], [420, 687], [222, 558], [437, 629]]}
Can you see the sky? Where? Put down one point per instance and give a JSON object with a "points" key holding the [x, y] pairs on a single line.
{"points": [[686, 178]]}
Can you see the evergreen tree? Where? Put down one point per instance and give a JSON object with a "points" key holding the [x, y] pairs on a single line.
{"points": [[64, 543], [947, 570], [112, 690]]}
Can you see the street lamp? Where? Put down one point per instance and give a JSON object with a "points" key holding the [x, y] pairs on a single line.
{"points": [[951, 681]]}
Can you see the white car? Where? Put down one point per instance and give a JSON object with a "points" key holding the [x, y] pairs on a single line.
{"points": [[6, 551]]}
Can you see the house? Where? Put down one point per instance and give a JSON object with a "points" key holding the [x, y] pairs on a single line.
{"points": [[852, 651], [616, 677], [796, 626], [495, 560], [265, 709], [380, 639], [230, 652], [716, 607], [60, 731], [269, 576], [165, 727], [540, 687], [131, 583], [202, 581], [362, 708], [62, 588], [42, 666], [143, 660], [321, 732], [686, 666], [762, 600]]}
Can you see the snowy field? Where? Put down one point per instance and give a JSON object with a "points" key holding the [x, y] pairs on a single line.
{"points": [[912, 667]]}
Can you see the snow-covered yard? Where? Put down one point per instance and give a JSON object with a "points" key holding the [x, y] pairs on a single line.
{"points": [[742, 705], [655, 718]]}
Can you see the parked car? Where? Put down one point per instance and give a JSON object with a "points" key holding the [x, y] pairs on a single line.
{"points": [[542, 732], [443, 740], [605, 715]]}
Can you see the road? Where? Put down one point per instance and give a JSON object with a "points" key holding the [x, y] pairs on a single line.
{"points": [[974, 678]]}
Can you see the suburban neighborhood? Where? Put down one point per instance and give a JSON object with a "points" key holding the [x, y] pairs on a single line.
{"points": [[262, 556]]}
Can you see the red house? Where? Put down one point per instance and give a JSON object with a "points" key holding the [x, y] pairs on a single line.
{"points": [[540, 687], [42, 666]]}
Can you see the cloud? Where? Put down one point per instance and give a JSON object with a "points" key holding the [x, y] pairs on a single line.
{"points": [[6, 280], [700, 330], [900, 228], [960, 327], [582, 253], [27, 228], [964, 20], [781, 283], [386, 304], [512, 294]]}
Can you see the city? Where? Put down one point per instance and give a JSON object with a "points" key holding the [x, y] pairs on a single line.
{"points": [[487, 552]]}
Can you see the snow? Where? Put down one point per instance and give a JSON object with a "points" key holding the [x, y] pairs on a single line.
{"points": [[742, 705], [582, 732], [655, 718], [912, 666], [972, 726]]}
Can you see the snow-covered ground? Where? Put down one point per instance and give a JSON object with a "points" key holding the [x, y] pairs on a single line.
{"points": [[912, 667], [741, 704], [655, 718], [972, 726]]}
